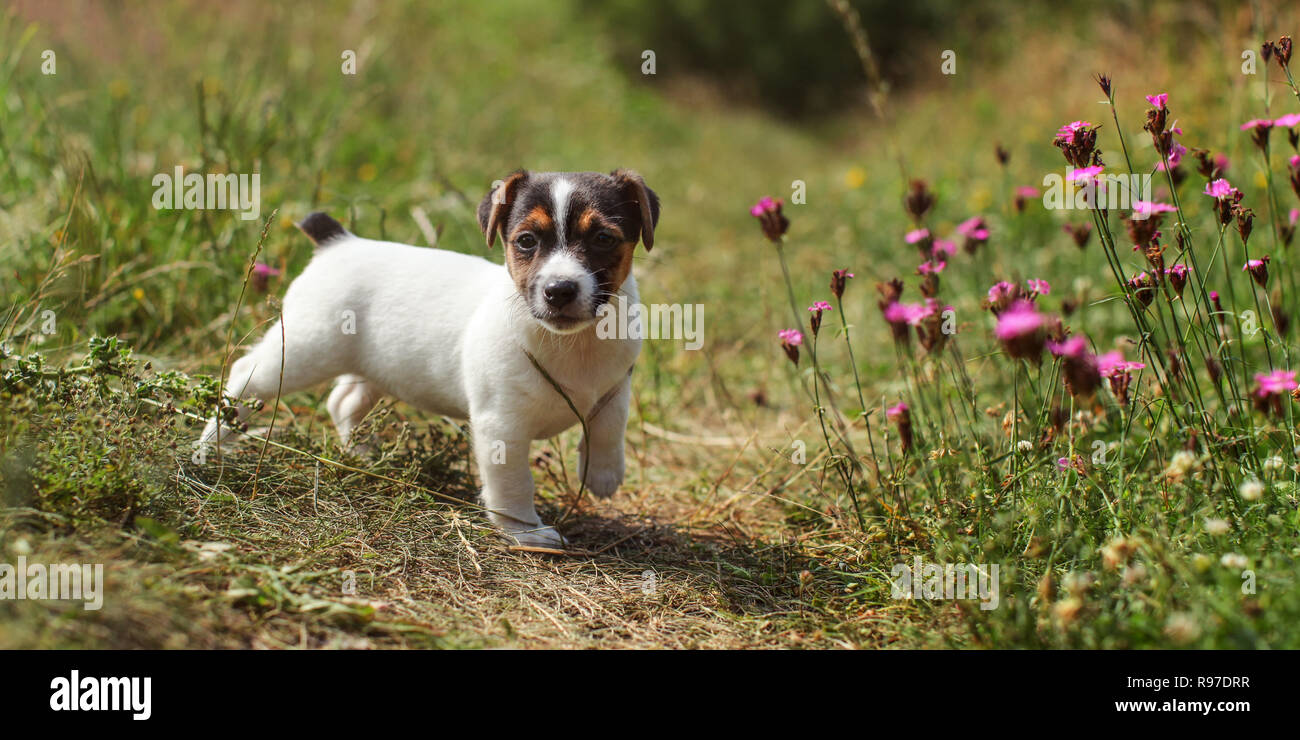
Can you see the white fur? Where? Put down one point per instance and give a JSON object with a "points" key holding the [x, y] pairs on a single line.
{"points": [[445, 332], [564, 265], [561, 189]]}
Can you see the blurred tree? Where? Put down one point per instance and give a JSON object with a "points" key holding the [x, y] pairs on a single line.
{"points": [[793, 57]]}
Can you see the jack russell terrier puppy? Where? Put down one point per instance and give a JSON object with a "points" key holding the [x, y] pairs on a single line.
{"points": [[453, 334]]}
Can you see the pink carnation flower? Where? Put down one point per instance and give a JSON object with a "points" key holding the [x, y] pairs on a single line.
{"points": [[1220, 188]]}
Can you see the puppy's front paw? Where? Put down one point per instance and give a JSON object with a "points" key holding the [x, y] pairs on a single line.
{"points": [[604, 480], [540, 536]]}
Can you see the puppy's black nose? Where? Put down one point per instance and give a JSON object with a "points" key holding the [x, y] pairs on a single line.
{"points": [[560, 293]]}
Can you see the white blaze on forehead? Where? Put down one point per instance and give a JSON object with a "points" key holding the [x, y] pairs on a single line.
{"points": [[561, 189]]}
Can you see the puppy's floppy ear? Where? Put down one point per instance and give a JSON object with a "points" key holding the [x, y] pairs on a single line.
{"points": [[496, 204], [634, 189]]}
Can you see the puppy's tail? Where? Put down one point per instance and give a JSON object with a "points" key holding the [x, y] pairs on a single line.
{"points": [[322, 229]]}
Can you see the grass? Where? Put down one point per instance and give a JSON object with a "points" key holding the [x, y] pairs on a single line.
{"points": [[746, 548]]}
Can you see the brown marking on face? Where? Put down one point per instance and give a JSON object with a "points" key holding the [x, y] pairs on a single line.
{"points": [[624, 266], [593, 221], [538, 219], [610, 266], [521, 267], [520, 264]]}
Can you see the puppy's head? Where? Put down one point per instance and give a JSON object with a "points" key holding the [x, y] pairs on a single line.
{"points": [[569, 238]]}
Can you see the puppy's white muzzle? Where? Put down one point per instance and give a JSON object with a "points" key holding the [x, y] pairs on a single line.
{"points": [[562, 294]]}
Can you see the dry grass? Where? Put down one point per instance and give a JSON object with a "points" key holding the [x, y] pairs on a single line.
{"points": [[255, 550]]}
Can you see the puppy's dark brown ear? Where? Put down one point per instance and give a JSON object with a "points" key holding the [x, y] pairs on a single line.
{"points": [[494, 207], [634, 189]]}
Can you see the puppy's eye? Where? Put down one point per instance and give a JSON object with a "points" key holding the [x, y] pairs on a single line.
{"points": [[526, 243], [605, 240]]}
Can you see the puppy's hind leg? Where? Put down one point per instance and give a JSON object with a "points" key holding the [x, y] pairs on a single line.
{"points": [[352, 398], [258, 374]]}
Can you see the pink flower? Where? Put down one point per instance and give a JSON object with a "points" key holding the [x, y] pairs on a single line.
{"points": [[1177, 277], [1272, 388], [1039, 287], [943, 247], [1220, 188], [764, 205], [1143, 287], [907, 313], [1022, 332], [820, 306], [1294, 162], [1086, 173], [1076, 347], [1113, 363], [1258, 269], [1176, 152], [1018, 321], [1068, 132], [262, 273], [1146, 208], [902, 417], [916, 235], [1287, 121], [774, 223], [1027, 191], [1078, 365], [973, 227], [1159, 100], [931, 268], [1260, 123], [1001, 295], [975, 232], [839, 279], [1275, 383], [790, 341], [1294, 216]]}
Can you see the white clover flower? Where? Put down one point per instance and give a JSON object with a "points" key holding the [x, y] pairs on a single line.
{"points": [[1182, 463], [1077, 584], [1234, 560], [1250, 490], [1182, 628], [1274, 464], [1025, 445], [1216, 527], [1135, 573]]}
